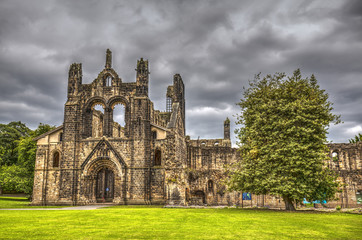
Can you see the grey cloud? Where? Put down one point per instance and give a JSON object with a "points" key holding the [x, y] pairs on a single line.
{"points": [[217, 46]]}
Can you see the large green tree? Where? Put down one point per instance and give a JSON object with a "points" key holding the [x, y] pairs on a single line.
{"points": [[18, 151], [27, 147], [10, 134], [284, 122]]}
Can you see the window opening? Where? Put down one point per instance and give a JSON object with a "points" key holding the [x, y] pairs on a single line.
{"points": [[168, 104], [56, 159], [154, 135], [158, 157], [335, 156], [97, 120], [210, 185], [109, 81], [119, 121]]}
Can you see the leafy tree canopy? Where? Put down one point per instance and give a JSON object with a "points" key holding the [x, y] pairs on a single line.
{"points": [[15, 179], [10, 134], [27, 147], [357, 138], [284, 122], [17, 156]]}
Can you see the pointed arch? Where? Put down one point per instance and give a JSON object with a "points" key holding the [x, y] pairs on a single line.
{"points": [[90, 114], [108, 72], [120, 129], [94, 101], [101, 152]]}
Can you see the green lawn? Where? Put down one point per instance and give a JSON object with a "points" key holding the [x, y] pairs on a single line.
{"points": [[18, 202], [14, 202], [165, 223]]}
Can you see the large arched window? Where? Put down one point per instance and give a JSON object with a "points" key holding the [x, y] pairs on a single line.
{"points": [[56, 157], [157, 157], [97, 120], [119, 120]]}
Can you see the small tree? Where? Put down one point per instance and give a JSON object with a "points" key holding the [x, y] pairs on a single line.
{"points": [[284, 122], [356, 139]]}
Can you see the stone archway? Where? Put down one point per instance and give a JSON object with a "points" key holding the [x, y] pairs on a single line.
{"points": [[104, 180], [104, 168], [105, 185]]}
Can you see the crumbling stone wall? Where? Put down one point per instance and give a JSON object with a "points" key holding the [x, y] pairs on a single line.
{"points": [[345, 159]]}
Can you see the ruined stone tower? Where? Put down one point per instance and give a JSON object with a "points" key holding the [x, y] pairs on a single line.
{"points": [[101, 160]]}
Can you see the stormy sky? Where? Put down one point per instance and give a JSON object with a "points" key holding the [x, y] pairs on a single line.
{"points": [[216, 46]]}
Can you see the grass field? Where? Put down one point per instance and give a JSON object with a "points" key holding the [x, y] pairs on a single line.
{"points": [[165, 223], [18, 202]]}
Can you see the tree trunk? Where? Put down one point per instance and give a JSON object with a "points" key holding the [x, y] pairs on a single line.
{"points": [[289, 206]]}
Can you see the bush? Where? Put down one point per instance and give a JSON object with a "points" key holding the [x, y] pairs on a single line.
{"points": [[16, 179]]}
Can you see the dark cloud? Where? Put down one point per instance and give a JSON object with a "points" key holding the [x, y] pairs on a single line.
{"points": [[217, 46]]}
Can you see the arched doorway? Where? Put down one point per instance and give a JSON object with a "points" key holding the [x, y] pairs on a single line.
{"points": [[105, 185], [200, 196]]}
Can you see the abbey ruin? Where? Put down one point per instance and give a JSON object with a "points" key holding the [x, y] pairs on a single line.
{"points": [[147, 158]]}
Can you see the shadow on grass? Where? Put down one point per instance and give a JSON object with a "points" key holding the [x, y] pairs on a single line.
{"points": [[135, 206], [17, 199]]}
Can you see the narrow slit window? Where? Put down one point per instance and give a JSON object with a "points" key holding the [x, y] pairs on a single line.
{"points": [[56, 159], [158, 157], [210, 185]]}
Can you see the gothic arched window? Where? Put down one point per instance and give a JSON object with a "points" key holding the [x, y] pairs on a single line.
{"points": [[56, 159], [119, 119], [97, 120]]}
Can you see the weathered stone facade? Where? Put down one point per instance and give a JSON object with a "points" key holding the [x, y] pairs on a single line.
{"points": [[147, 160]]}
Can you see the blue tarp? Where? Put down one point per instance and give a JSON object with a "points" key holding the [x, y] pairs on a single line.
{"points": [[317, 201], [246, 196]]}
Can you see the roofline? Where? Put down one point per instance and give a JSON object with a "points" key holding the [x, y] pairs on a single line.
{"points": [[47, 133], [157, 126]]}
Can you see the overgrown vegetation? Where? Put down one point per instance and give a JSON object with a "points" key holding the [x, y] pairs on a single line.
{"points": [[17, 156], [284, 122], [356, 139]]}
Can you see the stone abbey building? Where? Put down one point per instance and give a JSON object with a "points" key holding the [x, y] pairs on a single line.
{"points": [[146, 158]]}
